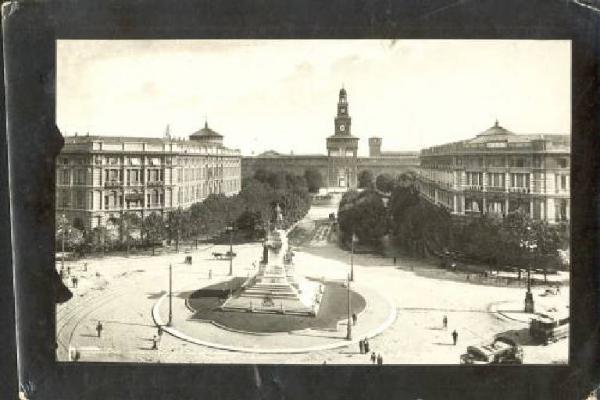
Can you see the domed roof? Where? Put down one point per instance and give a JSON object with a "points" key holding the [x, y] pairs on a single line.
{"points": [[342, 92], [496, 130], [206, 132]]}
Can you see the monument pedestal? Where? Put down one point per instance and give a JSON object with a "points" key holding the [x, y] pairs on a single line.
{"points": [[276, 288], [529, 304]]}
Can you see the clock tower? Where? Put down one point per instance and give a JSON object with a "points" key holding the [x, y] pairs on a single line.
{"points": [[342, 148]]}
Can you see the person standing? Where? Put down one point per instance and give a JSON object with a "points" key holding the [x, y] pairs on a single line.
{"points": [[361, 346], [210, 274], [454, 336], [445, 322], [379, 359], [394, 260], [99, 328], [154, 343], [373, 357], [366, 344], [160, 333], [354, 318]]}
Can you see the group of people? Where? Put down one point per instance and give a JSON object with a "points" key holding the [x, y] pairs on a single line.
{"points": [[454, 333], [157, 338], [364, 347], [74, 279]]}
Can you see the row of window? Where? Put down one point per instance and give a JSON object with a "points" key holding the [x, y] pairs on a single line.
{"points": [[132, 160], [497, 162]]}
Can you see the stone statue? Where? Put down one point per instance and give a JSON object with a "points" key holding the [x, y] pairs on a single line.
{"points": [[278, 216]]}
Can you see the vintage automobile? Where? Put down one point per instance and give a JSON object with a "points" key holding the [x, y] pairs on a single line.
{"points": [[502, 350], [549, 326]]}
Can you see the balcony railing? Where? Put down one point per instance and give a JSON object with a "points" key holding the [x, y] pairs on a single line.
{"points": [[495, 188], [155, 183], [518, 190], [113, 183], [474, 188]]}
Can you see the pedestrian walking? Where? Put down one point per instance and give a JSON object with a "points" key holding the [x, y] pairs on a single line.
{"points": [[379, 359], [154, 343], [454, 336], [373, 357], [366, 342], [394, 260], [445, 322], [354, 318], [74, 281], [361, 346], [160, 332], [99, 328], [68, 271], [210, 274], [557, 289], [85, 266]]}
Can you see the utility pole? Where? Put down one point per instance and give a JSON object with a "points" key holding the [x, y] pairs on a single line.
{"points": [[170, 295], [230, 229], [62, 257], [349, 329], [352, 259]]}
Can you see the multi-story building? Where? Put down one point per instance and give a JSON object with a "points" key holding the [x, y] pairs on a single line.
{"points": [[102, 177], [500, 171], [341, 165]]}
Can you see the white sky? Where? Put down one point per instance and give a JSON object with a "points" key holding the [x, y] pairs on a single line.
{"points": [[282, 94]]}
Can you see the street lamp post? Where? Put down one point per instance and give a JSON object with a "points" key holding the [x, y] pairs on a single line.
{"points": [[230, 230], [170, 295], [62, 257], [531, 246], [352, 257], [349, 326]]}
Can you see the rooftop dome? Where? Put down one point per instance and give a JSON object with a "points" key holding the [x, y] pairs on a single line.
{"points": [[205, 132], [495, 130], [342, 92]]}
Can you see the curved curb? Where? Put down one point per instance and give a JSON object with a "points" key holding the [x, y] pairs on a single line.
{"points": [[343, 343], [492, 309]]}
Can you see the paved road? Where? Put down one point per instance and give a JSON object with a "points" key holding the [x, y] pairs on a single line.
{"points": [[121, 292]]}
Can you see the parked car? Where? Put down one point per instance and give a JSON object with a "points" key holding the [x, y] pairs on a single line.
{"points": [[501, 350]]}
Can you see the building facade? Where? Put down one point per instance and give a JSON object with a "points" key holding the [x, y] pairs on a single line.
{"points": [[341, 165], [100, 178], [499, 171]]}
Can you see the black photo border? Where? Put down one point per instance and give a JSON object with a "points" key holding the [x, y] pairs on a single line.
{"points": [[30, 31]]}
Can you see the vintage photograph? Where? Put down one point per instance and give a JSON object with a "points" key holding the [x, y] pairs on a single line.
{"points": [[313, 201]]}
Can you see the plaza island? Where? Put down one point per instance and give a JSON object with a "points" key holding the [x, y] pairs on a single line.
{"points": [[276, 287]]}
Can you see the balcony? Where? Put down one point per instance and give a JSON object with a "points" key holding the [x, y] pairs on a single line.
{"points": [[112, 184], [134, 197], [495, 188], [518, 190], [473, 188], [155, 183]]}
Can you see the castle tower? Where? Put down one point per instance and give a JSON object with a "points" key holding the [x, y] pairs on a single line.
{"points": [[342, 148], [374, 147]]}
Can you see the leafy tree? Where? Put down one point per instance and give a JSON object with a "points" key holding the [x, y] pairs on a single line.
{"points": [[176, 225], [365, 179], [314, 180], [154, 229], [68, 236], [130, 228], [363, 214], [384, 182]]}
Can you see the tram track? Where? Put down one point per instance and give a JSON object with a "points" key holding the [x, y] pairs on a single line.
{"points": [[68, 319]]}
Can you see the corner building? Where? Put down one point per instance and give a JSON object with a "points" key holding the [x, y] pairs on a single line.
{"points": [[102, 177], [499, 171]]}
